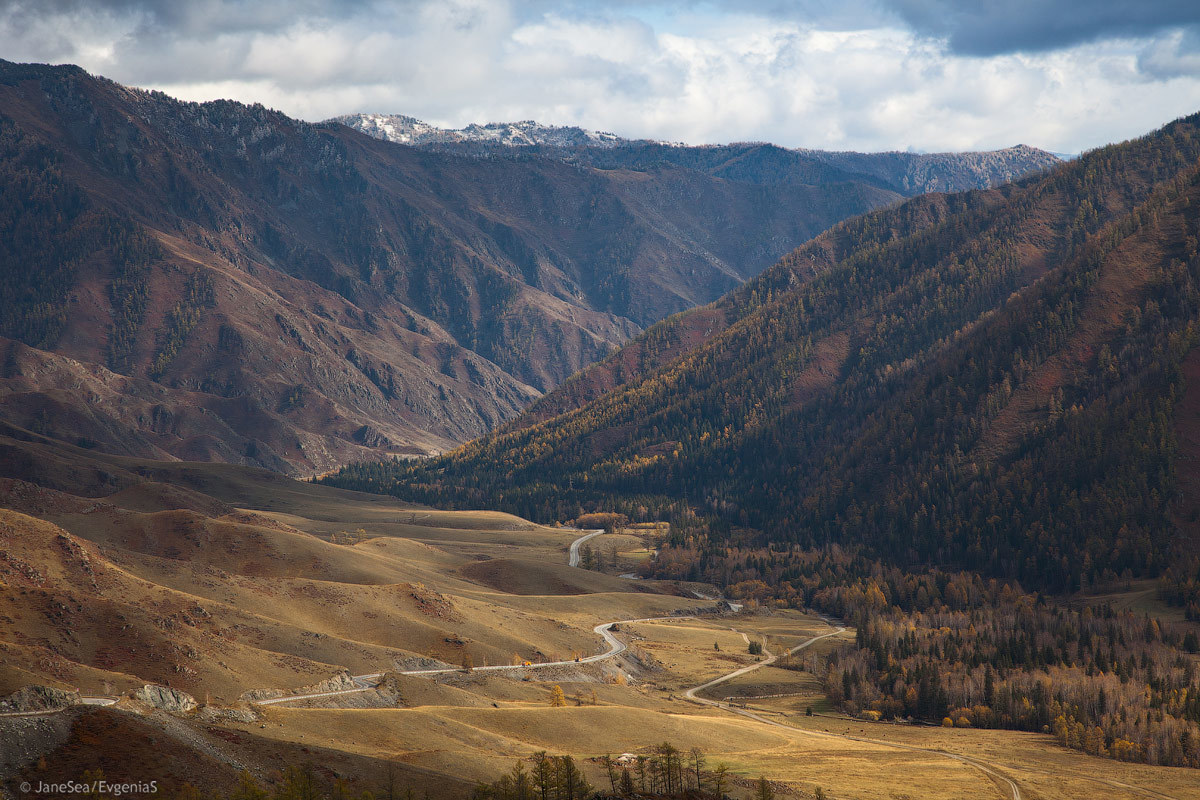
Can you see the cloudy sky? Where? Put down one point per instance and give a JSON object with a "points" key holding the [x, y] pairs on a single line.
{"points": [[1065, 75]]}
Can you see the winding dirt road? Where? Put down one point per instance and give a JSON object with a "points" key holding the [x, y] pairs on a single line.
{"points": [[690, 694], [371, 680], [573, 554], [616, 647]]}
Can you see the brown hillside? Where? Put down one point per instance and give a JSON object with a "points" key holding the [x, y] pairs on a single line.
{"points": [[219, 282]]}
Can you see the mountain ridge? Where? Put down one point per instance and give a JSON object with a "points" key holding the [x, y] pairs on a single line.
{"points": [[165, 196], [872, 387], [218, 281], [906, 173]]}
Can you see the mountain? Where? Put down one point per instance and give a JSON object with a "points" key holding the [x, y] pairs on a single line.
{"points": [[411, 131], [218, 281], [757, 163], [917, 173], [983, 380]]}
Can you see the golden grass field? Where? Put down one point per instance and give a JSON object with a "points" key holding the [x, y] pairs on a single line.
{"points": [[257, 582]]}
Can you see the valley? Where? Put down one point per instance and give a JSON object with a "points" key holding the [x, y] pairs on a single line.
{"points": [[380, 641], [381, 459]]}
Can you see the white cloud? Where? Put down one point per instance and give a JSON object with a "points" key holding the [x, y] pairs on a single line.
{"points": [[696, 75]]}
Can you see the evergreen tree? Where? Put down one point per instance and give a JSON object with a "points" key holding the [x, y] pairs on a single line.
{"points": [[626, 783]]}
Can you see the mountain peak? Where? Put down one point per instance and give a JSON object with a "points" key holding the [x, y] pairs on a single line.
{"points": [[525, 133]]}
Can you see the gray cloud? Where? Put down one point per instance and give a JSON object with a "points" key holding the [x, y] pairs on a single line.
{"points": [[193, 17], [988, 27], [1173, 56], [984, 27], [862, 74]]}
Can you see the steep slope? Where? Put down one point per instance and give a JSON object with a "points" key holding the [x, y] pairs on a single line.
{"points": [[972, 380], [220, 282], [914, 173]]}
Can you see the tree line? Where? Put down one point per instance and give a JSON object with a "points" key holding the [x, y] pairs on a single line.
{"points": [[959, 650], [665, 772]]}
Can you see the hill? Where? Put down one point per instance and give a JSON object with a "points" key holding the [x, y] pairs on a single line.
{"points": [[970, 380]]}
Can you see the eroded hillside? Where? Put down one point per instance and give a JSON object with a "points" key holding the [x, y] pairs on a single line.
{"points": [[221, 282]]}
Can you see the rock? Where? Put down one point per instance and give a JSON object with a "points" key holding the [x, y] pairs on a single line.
{"points": [[241, 713], [338, 683], [368, 436], [166, 698], [38, 698]]}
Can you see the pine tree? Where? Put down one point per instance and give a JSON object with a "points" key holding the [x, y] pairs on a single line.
{"points": [[571, 783], [557, 698], [248, 788], [522, 788], [543, 776], [626, 783]]}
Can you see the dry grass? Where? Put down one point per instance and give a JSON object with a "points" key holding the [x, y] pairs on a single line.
{"points": [[217, 602]]}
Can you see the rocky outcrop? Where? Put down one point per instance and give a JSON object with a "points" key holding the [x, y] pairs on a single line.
{"points": [[165, 698], [338, 683], [32, 699]]}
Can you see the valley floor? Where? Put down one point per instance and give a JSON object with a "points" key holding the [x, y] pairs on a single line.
{"points": [[377, 642]]}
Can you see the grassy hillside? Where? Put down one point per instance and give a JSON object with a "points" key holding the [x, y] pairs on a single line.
{"points": [[219, 581]]}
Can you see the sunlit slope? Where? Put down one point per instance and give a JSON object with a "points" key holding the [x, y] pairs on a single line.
{"points": [[218, 605]]}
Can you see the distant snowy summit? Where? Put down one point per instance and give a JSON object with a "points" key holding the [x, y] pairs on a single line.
{"points": [[905, 173], [409, 130]]}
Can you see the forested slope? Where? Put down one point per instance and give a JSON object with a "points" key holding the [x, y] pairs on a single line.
{"points": [[981, 380]]}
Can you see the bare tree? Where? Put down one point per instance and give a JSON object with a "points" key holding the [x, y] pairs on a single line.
{"points": [[611, 766], [697, 766]]}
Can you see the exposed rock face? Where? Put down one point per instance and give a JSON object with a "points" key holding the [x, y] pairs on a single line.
{"points": [[338, 683], [165, 698], [38, 698]]}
